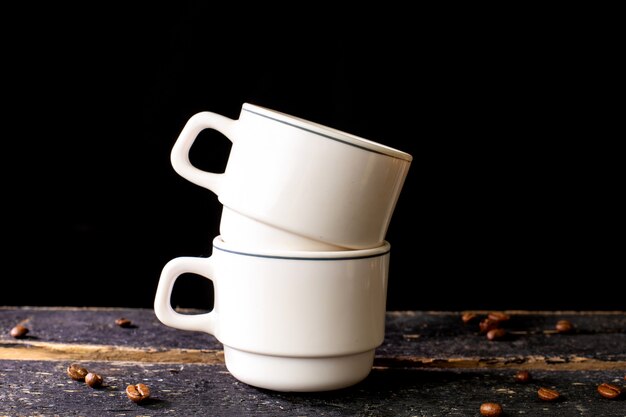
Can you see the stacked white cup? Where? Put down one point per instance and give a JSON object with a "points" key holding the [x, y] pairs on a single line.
{"points": [[300, 268]]}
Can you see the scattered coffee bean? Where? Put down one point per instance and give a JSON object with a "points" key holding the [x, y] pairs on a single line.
{"points": [[19, 331], [498, 316], [496, 334], [522, 376], [93, 380], [548, 394], [76, 372], [137, 393], [469, 317], [609, 391], [487, 324], [491, 409], [564, 326], [122, 322]]}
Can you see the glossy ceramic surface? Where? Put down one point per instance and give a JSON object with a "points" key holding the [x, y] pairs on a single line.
{"points": [[291, 305], [300, 178]]}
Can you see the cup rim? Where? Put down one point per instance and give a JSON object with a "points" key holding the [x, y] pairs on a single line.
{"points": [[350, 254], [327, 132]]}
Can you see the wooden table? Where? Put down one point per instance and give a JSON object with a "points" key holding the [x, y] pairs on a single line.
{"points": [[431, 364]]}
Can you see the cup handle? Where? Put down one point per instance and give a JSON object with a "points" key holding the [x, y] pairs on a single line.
{"points": [[180, 152], [165, 313]]}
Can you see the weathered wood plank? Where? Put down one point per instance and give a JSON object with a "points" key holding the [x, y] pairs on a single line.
{"points": [[97, 326], [42, 388], [413, 339], [532, 339], [429, 365], [34, 350]]}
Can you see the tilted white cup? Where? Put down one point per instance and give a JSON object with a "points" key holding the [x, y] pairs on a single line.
{"points": [[289, 320], [297, 185]]}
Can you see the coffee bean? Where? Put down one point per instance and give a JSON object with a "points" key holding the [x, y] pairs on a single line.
{"points": [[122, 322], [137, 393], [491, 409], [487, 324], [498, 316], [548, 394], [609, 391], [469, 317], [76, 372], [564, 326], [93, 380], [19, 331], [496, 334], [522, 376]]}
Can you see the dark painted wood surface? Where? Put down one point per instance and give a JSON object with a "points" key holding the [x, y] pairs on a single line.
{"points": [[430, 364]]}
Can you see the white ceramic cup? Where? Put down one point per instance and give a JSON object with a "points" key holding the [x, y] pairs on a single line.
{"points": [[288, 320], [296, 185]]}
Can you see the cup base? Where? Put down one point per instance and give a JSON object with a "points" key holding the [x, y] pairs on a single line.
{"points": [[281, 373], [249, 233]]}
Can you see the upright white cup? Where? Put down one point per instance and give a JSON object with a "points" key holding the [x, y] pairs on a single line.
{"points": [[296, 185], [289, 320]]}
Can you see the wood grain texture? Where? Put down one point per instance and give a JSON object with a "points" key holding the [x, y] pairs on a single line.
{"points": [[97, 327], [430, 364], [42, 388], [434, 339]]}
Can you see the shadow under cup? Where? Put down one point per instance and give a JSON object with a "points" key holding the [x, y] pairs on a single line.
{"points": [[289, 320]]}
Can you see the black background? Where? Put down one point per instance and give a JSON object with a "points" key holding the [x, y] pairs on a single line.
{"points": [[513, 199]]}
